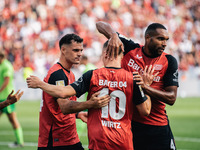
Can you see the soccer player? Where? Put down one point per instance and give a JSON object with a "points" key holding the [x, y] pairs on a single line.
{"points": [[11, 99], [110, 126], [57, 128], [6, 86], [152, 132]]}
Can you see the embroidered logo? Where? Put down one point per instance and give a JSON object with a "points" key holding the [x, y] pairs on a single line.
{"points": [[158, 67], [60, 82], [175, 76], [139, 57]]}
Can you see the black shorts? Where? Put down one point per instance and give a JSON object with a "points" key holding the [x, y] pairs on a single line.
{"points": [[148, 137], [77, 146]]}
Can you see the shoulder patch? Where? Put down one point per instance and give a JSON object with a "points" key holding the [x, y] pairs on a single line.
{"points": [[60, 82]]}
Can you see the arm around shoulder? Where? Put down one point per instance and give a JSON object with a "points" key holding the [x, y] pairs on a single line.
{"points": [[105, 29]]}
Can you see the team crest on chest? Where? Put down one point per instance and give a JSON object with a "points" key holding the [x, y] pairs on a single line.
{"points": [[158, 66], [60, 82]]}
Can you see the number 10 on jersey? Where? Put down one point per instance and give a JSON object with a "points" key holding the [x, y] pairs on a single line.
{"points": [[110, 109]]}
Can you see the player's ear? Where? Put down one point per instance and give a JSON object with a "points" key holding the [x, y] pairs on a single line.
{"points": [[147, 38], [63, 48], [105, 54]]}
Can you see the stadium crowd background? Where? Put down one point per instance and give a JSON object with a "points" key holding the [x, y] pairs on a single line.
{"points": [[30, 31]]}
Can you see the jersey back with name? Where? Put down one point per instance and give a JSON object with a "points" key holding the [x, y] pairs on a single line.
{"points": [[110, 126]]}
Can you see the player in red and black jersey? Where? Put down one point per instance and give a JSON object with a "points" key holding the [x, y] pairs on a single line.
{"points": [[57, 128], [152, 132], [110, 126]]}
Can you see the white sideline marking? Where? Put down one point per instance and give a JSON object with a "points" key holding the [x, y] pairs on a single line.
{"points": [[187, 139], [31, 144], [25, 144], [24, 133]]}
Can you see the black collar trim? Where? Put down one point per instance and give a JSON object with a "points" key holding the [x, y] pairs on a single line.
{"points": [[63, 67]]}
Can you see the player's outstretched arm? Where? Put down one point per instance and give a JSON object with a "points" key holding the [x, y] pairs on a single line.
{"points": [[12, 98], [68, 106], [55, 91], [114, 43]]}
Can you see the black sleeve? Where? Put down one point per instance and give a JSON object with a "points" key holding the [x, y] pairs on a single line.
{"points": [[171, 76], [82, 84], [138, 95], [128, 43], [58, 78]]}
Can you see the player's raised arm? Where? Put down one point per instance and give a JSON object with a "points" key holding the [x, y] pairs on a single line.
{"points": [[114, 43], [12, 98], [55, 91]]}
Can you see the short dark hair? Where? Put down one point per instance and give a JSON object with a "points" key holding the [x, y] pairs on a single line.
{"points": [[151, 29], [67, 39], [106, 44]]}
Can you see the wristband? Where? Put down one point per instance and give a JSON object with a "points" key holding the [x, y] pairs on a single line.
{"points": [[77, 115]]}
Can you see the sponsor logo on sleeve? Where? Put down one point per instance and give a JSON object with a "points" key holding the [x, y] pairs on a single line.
{"points": [[78, 81], [175, 76], [60, 82]]}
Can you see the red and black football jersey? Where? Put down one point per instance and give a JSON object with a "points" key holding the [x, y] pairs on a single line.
{"points": [[110, 126], [136, 60], [53, 124]]}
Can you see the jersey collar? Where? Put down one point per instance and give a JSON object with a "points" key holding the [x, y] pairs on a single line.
{"points": [[63, 67]]}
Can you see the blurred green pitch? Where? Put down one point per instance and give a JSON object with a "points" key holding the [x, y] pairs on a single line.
{"points": [[184, 119]]}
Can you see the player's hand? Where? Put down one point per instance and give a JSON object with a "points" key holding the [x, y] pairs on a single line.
{"points": [[12, 98], [138, 78], [99, 102], [114, 45], [148, 75], [83, 116], [33, 82]]}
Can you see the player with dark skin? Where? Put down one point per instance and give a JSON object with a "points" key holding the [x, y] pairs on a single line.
{"points": [[154, 46], [163, 90]]}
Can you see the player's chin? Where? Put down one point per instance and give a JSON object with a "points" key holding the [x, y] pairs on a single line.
{"points": [[160, 52], [77, 62]]}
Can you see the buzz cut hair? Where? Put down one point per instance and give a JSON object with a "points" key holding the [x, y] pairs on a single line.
{"points": [[151, 29], [67, 39]]}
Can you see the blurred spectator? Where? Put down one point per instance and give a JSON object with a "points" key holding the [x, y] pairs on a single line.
{"points": [[29, 28]]}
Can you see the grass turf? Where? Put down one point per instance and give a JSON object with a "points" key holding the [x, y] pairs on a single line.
{"points": [[184, 119]]}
